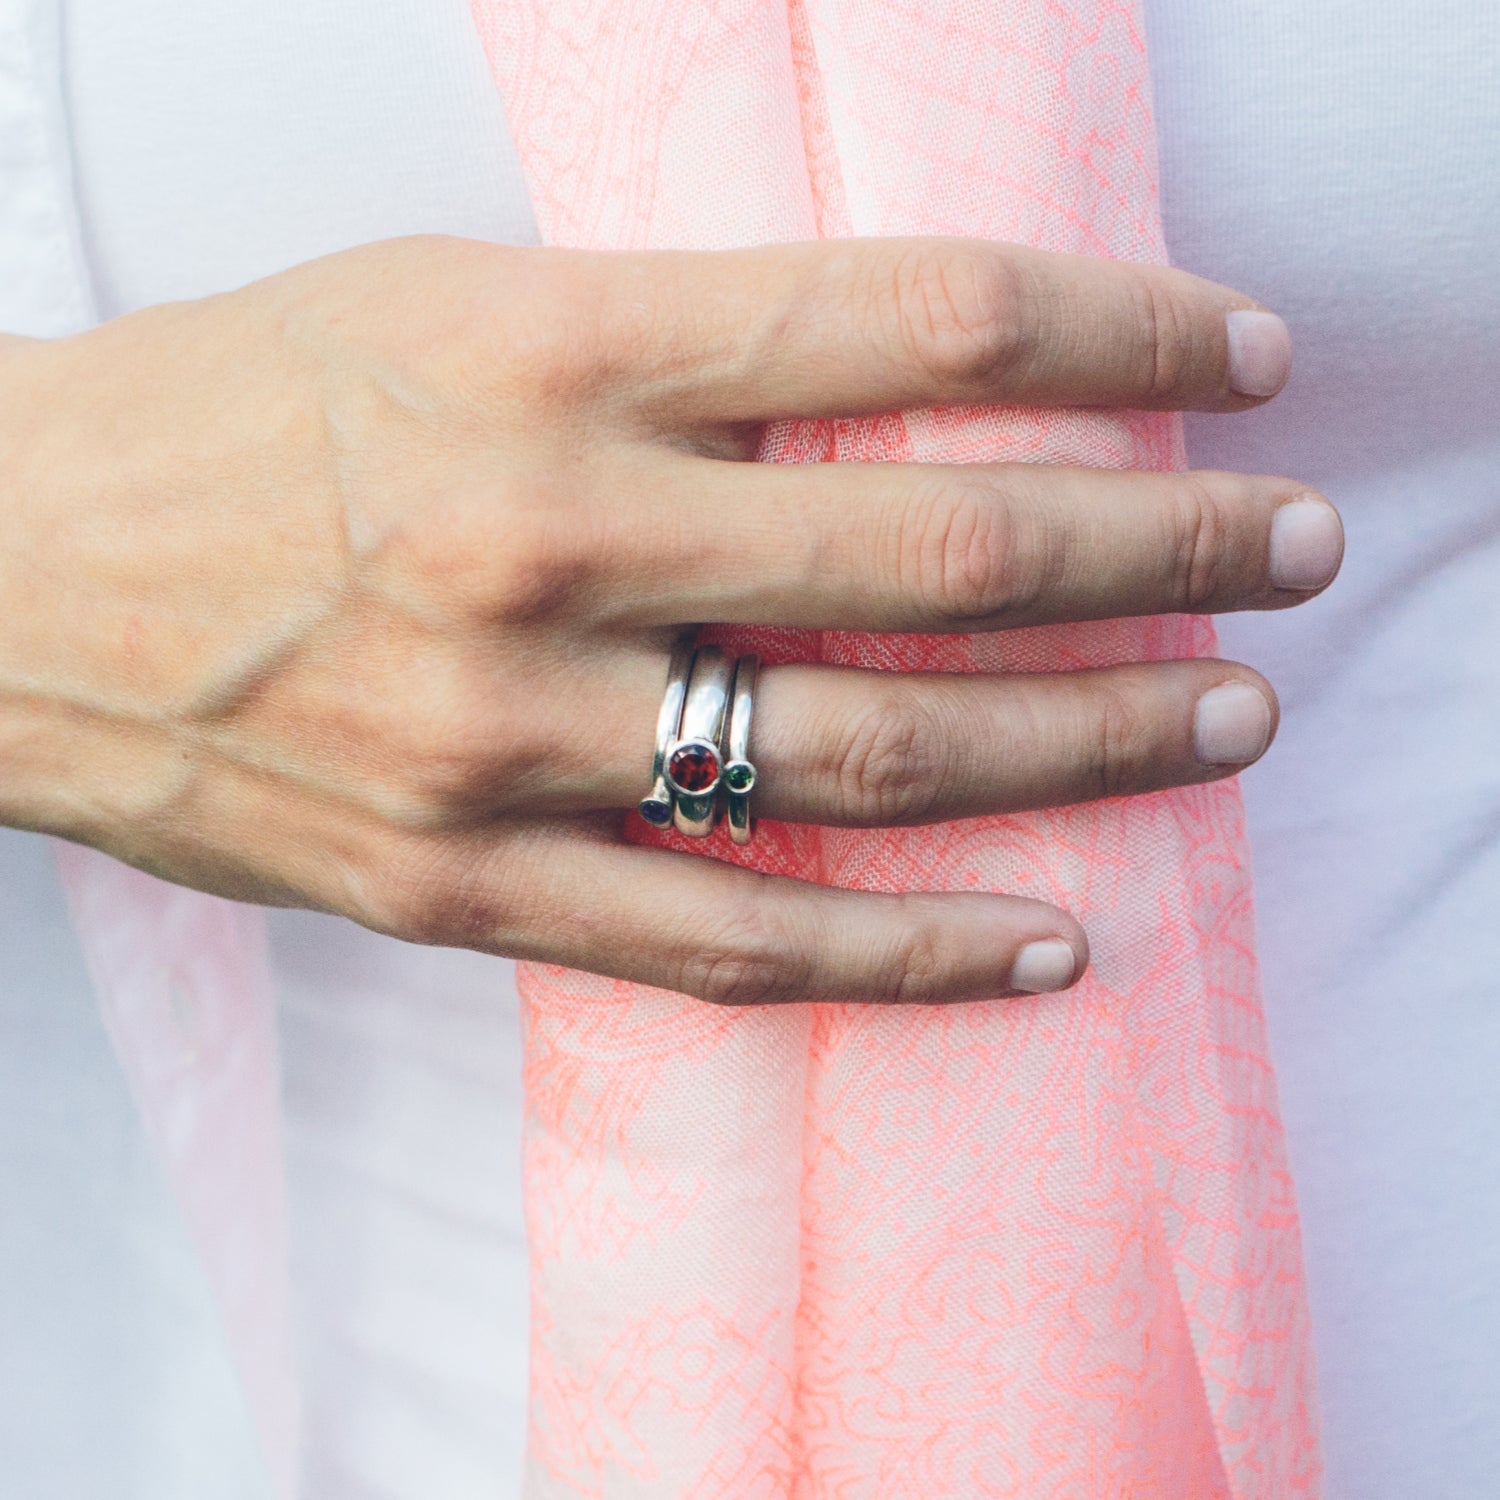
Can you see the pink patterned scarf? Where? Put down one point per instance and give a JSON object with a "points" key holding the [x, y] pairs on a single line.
{"points": [[1045, 1248], [1036, 1249]]}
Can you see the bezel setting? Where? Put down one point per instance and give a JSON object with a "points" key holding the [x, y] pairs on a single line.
{"points": [[739, 777], [657, 811], [678, 758]]}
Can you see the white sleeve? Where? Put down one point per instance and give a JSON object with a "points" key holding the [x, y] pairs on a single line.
{"points": [[44, 286], [114, 1376]]}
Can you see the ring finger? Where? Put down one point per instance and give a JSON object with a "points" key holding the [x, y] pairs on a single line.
{"points": [[841, 746], [844, 746]]}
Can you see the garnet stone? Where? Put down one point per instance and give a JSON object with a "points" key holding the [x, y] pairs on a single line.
{"points": [[693, 768]]}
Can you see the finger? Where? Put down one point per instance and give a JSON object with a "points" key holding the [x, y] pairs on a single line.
{"points": [[932, 547], [875, 749], [735, 937], [657, 917], [854, 327], [847, 747]]}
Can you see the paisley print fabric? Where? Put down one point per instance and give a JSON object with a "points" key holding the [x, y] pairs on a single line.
{"points": [[1044, 1248]]}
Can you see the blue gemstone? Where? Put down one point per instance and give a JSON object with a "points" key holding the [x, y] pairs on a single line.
{"points": [[655, 811]]}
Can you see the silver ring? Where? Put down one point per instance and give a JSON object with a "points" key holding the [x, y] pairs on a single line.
{"points": [[739, 773], [695, 763], [656, 806]]}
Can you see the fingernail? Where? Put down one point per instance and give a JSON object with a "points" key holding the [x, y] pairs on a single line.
{"points": [[1307, 544], [1260, 353], [1232, 725], [1044, 966]]}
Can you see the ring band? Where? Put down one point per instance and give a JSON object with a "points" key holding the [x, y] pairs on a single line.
{"points": [[695, 762], [739, 773], [656, 806]]}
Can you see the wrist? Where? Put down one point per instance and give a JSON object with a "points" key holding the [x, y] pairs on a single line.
{"points": [[43, 739]]}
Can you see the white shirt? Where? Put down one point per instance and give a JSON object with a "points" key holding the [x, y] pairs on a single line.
{"points": [[1335, 159]]}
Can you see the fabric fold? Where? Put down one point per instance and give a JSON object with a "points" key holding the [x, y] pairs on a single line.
{"points": [[184, 986], [1039, 1248]]}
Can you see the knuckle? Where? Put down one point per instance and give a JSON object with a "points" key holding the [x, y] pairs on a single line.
{"points": [[1117, 746], [891, 768], [746, 962], [960, 314], [526, 556], [964, 558], [446, 897], [545, 571], [1163, 328], [449, 776], [456, 756], [1200, 531], [738, 978], [551, 338], [920, 968]]}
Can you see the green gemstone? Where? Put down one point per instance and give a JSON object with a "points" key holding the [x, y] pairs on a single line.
{"points": [[739, 776]]}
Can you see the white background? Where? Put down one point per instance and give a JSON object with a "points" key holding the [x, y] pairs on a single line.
{"points": [[1335, 158]]}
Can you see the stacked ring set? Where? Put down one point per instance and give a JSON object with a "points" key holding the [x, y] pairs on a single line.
{"points": [[701, 763]]}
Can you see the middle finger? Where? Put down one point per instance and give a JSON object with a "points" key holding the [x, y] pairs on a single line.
{"points": [[959, 548]]}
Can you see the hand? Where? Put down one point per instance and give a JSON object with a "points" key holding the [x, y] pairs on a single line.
{"points": [[353, 589]]}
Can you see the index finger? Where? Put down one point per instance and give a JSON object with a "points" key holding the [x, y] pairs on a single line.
{"points": [[856, 327]]}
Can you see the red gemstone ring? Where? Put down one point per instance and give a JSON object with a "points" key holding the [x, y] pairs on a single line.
{"points": [[695, 761], [656, 806]]}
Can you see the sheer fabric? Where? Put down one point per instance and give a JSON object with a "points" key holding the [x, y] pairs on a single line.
{"points": [[1044, 1248]]}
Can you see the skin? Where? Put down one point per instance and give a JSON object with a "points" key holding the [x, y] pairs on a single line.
{"points": [[353, 589]]}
